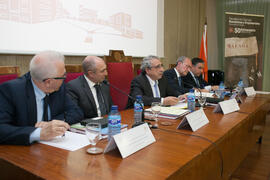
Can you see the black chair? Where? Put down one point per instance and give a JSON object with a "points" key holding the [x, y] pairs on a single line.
{"points": [[215, 77]]}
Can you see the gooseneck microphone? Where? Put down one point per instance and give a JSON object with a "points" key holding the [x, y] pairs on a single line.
{"points": [[193, 87], [132, 98]]}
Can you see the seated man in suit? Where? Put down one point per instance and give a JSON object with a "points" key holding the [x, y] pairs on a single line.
{"points": [[152, 85], [194, 77], [35, 106], [89, 91], [175, 75]]}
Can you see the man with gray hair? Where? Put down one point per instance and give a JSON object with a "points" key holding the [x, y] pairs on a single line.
{"points": [[175, 75], [35, 106], [88, 91], [152, 85]]}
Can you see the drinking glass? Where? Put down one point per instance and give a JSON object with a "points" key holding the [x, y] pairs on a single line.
{"points": [[219, 92], [93, 133], [201, 100], [156, 108]]}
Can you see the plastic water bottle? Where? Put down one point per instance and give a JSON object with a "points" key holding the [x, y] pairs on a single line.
{"points": [[138, 109], [240, 83], [240, 86], [221, 86], [191, 100], [114, 122]]}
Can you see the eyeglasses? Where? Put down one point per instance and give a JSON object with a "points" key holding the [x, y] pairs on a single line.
{"points": [[157, 66], [187, 66], [57, 78]]}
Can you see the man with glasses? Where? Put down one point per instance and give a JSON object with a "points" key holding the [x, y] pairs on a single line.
{"points": [[175, 75], [88, 91], [152, 85], [35, 106], [194, 77]]}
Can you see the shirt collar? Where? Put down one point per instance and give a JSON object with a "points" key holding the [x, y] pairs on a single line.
{"points": [[38, 92], [192, 74], [90, 83], [151, 81], [177, 73]]}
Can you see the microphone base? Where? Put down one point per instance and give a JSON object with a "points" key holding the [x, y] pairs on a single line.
{"points": [[137, 124]]}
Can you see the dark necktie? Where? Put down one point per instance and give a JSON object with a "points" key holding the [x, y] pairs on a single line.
{"points": [[101, 101], [45, 108], [197, 82], [180, 81]]}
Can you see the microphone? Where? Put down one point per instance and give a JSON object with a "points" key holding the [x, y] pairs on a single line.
{"points": [[193, 87], [132, 98]]}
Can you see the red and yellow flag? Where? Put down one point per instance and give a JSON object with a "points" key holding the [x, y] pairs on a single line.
{"points": [[203, 52]]}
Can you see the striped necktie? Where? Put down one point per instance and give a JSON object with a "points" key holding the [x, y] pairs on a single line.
{"points": [[156, 89]]}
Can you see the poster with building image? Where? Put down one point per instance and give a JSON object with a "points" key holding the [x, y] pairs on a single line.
{"points": [[243, 49]]}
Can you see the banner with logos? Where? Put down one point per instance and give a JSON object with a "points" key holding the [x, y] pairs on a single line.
{"points": [[243, 49]]}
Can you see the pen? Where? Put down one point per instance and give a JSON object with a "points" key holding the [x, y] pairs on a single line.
{"points": [[64, 121]]}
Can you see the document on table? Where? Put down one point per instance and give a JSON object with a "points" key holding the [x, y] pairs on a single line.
{"points": [[204, 94], [262, 92], [71, 141], [170, 111], [180, 104]]}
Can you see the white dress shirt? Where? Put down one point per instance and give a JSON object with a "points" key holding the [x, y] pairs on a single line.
{"points": [[94, 92], [152, 84]]}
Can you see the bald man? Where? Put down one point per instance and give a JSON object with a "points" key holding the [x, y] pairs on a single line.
{"points": [[88, 91], [35, 106]]}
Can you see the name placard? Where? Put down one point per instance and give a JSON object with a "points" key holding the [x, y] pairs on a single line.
{"points": [[250, 91], [194, 120], [131, 141], [227, 106]]}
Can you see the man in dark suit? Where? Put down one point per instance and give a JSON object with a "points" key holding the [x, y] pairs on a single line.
{"points": [[194, 77], [89, 91], [175, 75], [35, 106], [152, 85]]}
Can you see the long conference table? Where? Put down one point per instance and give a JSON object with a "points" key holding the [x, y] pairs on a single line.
{"points": [[172, 156]]}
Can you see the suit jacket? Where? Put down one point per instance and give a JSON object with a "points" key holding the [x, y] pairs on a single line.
{"points": [[172, 78], [141, 86], [190, 83], [80, 92], [18, 110]]}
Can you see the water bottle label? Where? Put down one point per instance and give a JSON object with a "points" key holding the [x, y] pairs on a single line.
{"points": [[191, 98], [114, 120], [137, 108]]}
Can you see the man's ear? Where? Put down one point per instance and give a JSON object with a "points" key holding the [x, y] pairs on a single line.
{"points": [[90, 73]]}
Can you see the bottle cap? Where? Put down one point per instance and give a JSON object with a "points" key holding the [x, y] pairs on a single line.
{"points": [[139, 97], [191, 90], [114, 107]]}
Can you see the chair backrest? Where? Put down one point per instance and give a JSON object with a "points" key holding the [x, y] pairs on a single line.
{"points": [[73, 71], [172, 66], [120, 75], [8, 73], [215, 77], [137, 69]]}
